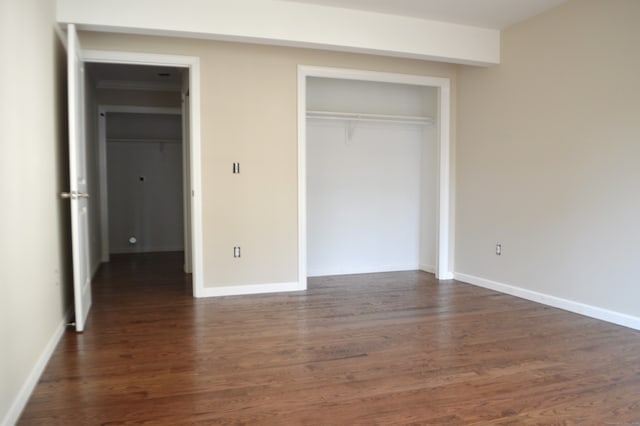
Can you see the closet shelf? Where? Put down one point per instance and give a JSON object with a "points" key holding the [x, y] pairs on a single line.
{"points": [[356, 116]]}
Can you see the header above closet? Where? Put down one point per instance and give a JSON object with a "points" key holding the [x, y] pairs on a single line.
{"points": [[356, 100]]}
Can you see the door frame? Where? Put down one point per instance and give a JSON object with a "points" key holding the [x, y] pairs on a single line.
{"points": [[192, 63], [444, 256]]}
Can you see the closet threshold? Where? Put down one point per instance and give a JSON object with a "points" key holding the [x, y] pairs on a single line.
{"points": [[355, 116]]}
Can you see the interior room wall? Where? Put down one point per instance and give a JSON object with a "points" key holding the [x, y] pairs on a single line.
{"points": [[368, 197], [144, 168], [35, 277], [547, 153], [249, 110]]}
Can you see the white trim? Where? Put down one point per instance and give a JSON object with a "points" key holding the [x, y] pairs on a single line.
{"points": [[443, 270], [444, 232], [302, 176], [102, 183], [447, 276], [238, 290], [193, 64], [554, 301], [21, 399], [427, 268]]}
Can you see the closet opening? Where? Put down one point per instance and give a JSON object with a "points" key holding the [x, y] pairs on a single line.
{"points": [[373, 173]]}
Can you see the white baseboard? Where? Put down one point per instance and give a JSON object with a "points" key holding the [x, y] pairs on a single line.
{"points": [[237, 290], [30, 383], [556, 302], [427, 268], [446, 276], [432, 269]]}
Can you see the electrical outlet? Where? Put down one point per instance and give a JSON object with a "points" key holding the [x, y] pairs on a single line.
{"points": [[236, 252], [498, 249]]}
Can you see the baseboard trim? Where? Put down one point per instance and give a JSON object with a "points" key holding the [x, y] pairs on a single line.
{"points": [[237, 290], [427, 268], [21, 399], [556, 302]]}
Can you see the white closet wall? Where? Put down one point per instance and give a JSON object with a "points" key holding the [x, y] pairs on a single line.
{"points": [[144, 165], [371, 185]]}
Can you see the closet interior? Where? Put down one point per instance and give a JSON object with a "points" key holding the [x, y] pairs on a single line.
{"points": [[371, 172]]}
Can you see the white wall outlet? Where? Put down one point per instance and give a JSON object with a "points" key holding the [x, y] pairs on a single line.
{"points": [[498, 249]]}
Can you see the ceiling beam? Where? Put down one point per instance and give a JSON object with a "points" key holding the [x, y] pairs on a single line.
{"points": [[289, 24]]}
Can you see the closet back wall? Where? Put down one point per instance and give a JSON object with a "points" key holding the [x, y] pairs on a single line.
{"points": [[371, 185], [144, 168]]}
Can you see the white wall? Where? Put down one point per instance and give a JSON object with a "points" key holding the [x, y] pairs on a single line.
{"points": [[290, 24], [355, 96], [548, 161], [370, 185], [144, 182], [35, 276]]}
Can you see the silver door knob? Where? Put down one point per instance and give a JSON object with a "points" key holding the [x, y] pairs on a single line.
{"points": [[74, 195]]}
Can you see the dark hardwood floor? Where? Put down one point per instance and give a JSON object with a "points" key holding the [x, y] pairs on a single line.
{"points": [[390, 348]]}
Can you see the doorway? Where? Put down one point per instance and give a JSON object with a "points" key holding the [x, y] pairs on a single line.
{"points": [[185, 158]]}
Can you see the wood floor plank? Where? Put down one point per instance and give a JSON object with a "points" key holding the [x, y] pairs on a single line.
{"points": [[389, 348]]}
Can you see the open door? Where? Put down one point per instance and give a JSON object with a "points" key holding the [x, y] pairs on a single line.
{"points": [[78, 181]]}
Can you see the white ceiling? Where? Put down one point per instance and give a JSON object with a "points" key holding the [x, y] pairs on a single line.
{"points": [[494, 14]]}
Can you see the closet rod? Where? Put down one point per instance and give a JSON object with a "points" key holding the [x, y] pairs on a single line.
{"points": [[355, 116]]}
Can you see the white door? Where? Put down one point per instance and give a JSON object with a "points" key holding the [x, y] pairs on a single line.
{"points": [[78, 181]]}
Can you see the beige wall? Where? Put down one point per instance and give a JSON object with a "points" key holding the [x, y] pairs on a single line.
{"points": [[548, 157], [249, 110], [34, 277]]}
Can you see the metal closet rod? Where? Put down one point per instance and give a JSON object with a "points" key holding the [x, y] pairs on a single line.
{"points": [[332, 115]]}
